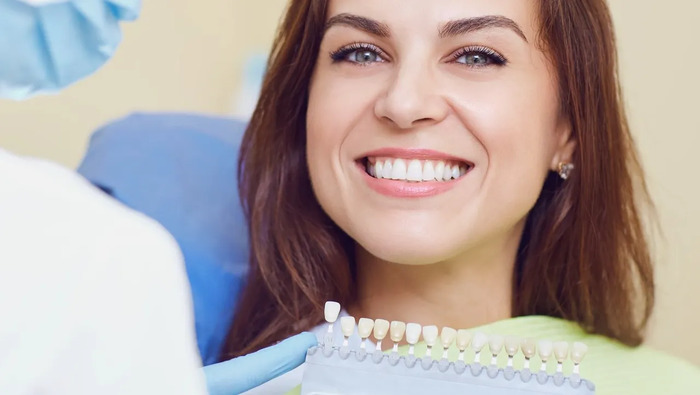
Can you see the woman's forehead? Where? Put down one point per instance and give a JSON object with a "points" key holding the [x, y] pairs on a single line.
{"points": [[431, 16]]}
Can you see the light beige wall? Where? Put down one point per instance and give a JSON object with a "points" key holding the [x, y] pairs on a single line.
{"points": [[187, 56]]}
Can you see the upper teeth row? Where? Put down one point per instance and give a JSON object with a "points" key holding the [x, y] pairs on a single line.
{"points": [[416, 170]]}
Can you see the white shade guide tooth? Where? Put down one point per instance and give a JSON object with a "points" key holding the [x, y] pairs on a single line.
{"points": [[430, 335], [464, 337], [496, 344], [413, 332], [381, 328], [397, 330], [545, 349], [578, 352], [478, 342], [529, 347], [561, 351], [447, 336], [364, 327], [347, 325], [512, 345], [331, 311]]}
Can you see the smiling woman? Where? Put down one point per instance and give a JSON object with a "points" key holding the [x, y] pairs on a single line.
{"points": [[451, 162]]}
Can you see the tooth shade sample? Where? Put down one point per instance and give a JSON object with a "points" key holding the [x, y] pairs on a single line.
{"points": [[428, 171], [529, 347], [578, 352], [415, 171], [479, 341], [430, 334], [364, 327], [397, 330], [464, 337], [347, 325], [496, 344], [561, 351], [447, 336], [381, 327], [331, 311], [512, 345], [413, 333], [398, 171], [545, 348]]}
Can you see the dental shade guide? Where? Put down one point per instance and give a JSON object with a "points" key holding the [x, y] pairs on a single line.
{"points": [[334, 369]]}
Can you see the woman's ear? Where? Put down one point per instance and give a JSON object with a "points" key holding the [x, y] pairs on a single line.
{"points": [[566, 146]]}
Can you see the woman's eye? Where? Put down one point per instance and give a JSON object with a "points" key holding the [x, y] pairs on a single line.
{"points": [[479, 57], [361, 54]]}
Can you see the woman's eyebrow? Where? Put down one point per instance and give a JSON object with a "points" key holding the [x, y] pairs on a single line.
{"points": [[361, 23], [450, 29], [466, 25]]}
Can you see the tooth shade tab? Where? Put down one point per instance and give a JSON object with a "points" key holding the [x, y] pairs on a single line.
{"points": [[578, 352], [430, 335], [479, 341], [496, 344], [415, 170], [512, 345], [397, 331], [364, 327], [561, 351], [347, 326], [413, 331], [464, 337], [331, 311], [447, 336], [545, 349], [381, 328], [529, 348]]}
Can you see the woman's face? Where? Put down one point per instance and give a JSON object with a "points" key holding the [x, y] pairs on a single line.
{"points": [[431, 126]]}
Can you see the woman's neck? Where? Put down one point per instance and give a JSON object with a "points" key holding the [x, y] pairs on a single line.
{"points": [[472, 289]]}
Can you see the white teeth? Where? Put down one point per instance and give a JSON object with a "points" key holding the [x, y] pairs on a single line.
{"points": [[455, 172], [387, 170], [381, 327], [331, 311], [399, 170], [412, 333], [415, 171], [439, 170], [378, 169], [397, 330], [447, 173], [496, 344], [428, 171], [364, 327], [545, 348], [347, 326], [578, 352]]}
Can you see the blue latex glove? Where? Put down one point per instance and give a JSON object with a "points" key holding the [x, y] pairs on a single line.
{"points": [[247, 372], [45, 45]]}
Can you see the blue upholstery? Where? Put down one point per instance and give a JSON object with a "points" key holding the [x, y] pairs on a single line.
{"points": [[181, 170]]}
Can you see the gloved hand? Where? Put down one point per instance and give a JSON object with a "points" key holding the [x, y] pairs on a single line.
{"points": [[45, 45], [244, 373]]}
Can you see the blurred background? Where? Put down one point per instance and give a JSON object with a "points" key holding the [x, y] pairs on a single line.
{"points": [[206, 57]]}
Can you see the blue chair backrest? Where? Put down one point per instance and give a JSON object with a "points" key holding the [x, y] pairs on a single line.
{"points": [[181, 170]]}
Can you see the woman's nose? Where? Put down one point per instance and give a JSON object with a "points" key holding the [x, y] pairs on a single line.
{"points": [[411, 98]]}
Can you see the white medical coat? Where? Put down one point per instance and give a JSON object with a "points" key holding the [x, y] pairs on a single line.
{"points": [[94, 297]]}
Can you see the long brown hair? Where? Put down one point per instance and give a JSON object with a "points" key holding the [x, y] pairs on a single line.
{"points": [[583, 256]]}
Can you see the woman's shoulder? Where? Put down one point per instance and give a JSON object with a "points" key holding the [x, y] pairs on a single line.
{"points": [[618, 369]]}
